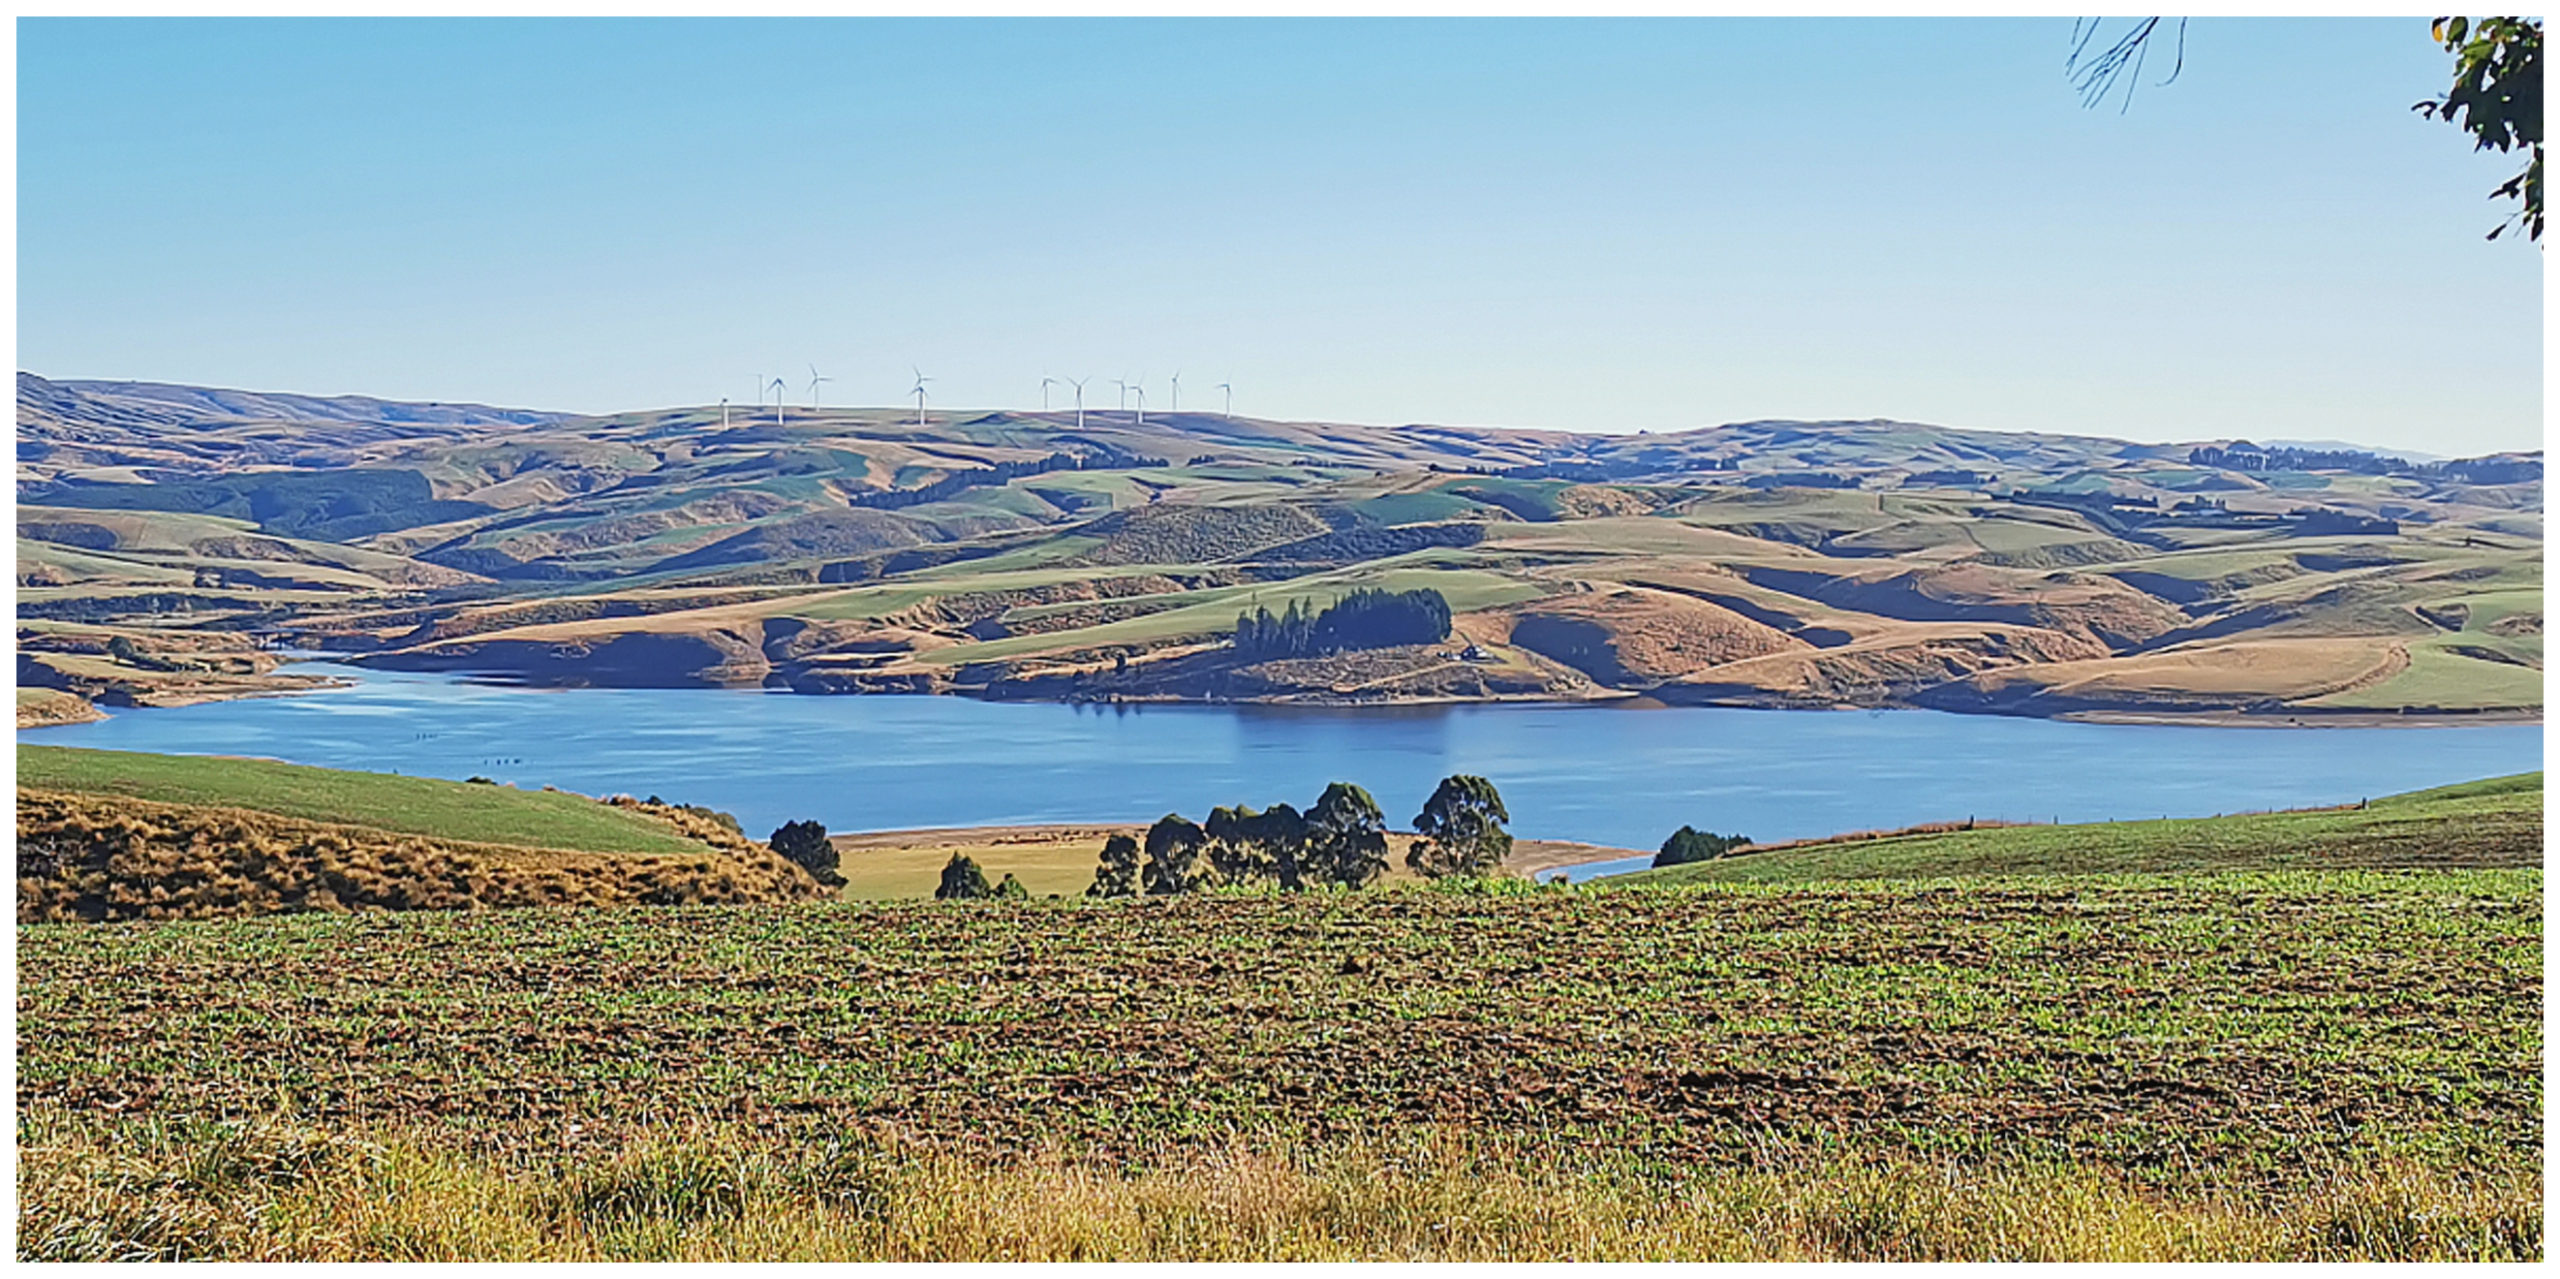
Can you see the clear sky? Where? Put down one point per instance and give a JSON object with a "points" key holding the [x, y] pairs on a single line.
{"points": [[1594, 225]]}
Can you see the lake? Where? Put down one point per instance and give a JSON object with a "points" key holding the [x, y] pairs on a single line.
{"points": [[1603, 774]]}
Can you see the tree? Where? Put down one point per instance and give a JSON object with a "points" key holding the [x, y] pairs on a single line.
{"points": [[1461, 829], [1011, 889], [1281, 831], [1173, 856], [1117, 876], [1366, 618], [2497, 92], [961, 878], [805, 845], [1236, 849], [2096, 76], [1689, 844], [1346, 837]]}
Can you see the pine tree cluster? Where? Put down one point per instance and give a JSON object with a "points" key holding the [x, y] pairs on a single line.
{"points": [[1366, 618]]}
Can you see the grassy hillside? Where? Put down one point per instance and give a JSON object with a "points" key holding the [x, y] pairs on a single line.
{"points": [[1903, 564], [458, 811], [2095, 1068], [2497, 822]]}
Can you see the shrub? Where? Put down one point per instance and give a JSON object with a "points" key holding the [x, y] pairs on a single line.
{"points": [[961, 879]]}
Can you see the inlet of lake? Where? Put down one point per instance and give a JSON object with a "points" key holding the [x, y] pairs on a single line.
{"points": [[1603, 774]]}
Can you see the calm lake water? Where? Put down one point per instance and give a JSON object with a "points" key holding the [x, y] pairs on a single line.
{"points": [[1616, 775]]}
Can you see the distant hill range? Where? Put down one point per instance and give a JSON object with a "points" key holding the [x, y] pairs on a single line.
{"points": [[1107, 554], [164, 404]]}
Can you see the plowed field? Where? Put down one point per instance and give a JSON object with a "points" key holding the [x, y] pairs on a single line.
{"points": [[2220, 1030]]}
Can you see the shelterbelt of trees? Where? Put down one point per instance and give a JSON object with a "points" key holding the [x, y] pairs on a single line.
{"points": [[1340, 842]]}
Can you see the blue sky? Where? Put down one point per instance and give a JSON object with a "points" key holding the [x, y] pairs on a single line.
{"points": [[1603, 225]]}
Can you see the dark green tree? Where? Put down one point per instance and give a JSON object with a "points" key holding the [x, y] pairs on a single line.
{"points": [[1011, 889], [1366, 618], [1281, 831], [1461, 829], [1174, 863], [1117, 876], [805, 845], [1236, 848], [2497, 95], [1689, 844], [961, 878], [1346, 838]]}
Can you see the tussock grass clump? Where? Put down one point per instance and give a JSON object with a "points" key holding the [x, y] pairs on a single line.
{"points": [[94, 858], [271, 1190]]}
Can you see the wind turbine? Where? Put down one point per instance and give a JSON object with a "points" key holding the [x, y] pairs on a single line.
{"points": [[780, 389], [1177, 391], [814, 380], [724, 413], [921, 379], [1044, 393], [1124, 393], [1231, 399], [1078, 384], [1142, 404]]}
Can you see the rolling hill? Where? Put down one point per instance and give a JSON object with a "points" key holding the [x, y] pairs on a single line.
{"points": [[2495, 823], [1048, 555], [108, 835]]}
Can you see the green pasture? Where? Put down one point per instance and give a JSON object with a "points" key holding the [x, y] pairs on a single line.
{"points": [[461, 811], [2492, 823]]}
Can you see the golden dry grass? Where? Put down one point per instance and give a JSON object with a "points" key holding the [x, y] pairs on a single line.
{"points": [[90, 857], [38, 707], [276, 1191], [1636, 636], [2284, 670]]}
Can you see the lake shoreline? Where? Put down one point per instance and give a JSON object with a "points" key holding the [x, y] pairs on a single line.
{"points": [[1612, 781], [2295, 717]]}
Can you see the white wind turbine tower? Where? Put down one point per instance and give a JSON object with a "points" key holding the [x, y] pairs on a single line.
{"points": [[814, 380], [724, 413], [1177, 392], [1124, 393], [1078, 384], [1231, 399], [780, 389], [1142, 402], [1044, 393], [921, 379]]}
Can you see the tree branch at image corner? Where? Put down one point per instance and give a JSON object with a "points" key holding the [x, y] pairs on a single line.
{"points": [[2496, 95]]}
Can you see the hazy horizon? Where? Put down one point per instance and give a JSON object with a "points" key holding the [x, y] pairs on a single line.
{"points": [[1604, 225], [939, 409]]}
